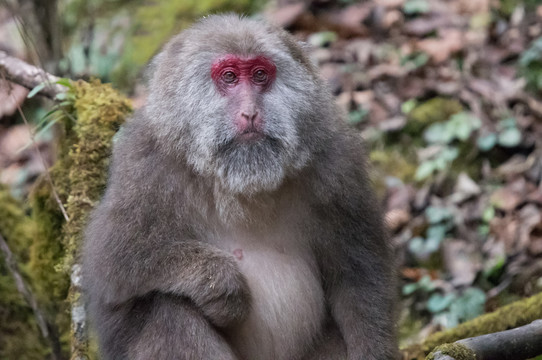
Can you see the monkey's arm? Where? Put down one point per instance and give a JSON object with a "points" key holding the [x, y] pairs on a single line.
{"points": [[360, 285], [356, 259], [125, 261], [140, 241]]}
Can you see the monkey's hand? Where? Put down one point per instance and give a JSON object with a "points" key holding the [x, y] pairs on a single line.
{"points": [[217, 288]]}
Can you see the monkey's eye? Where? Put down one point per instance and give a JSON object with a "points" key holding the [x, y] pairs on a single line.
{"points": [[259, 76], [229, 77]]}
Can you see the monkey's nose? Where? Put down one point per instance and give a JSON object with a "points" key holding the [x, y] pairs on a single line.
{"points": [[249, 116]]}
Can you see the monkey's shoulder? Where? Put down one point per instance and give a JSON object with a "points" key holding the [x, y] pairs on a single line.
{"points": [[340, 165]]}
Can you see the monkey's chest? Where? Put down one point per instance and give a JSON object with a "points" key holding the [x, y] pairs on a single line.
{"points": [[287, 309]]}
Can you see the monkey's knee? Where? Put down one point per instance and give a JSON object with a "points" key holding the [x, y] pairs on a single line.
{"points": [[330, 347], [175, 330]]}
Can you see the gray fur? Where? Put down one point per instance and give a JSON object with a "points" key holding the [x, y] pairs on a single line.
{"points": [[205, 248]]}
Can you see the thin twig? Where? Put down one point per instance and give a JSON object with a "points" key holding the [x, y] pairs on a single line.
{"points": [[29, 42], [44, 163]]}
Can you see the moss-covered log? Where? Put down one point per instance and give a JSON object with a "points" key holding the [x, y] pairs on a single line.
{"points": [[100, 110], [519, 313], [524, 342]]}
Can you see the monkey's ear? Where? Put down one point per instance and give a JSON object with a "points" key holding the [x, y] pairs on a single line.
{"points": [[298, 50], [304, 45], [152, 66], [169, 50], [306, 48]]}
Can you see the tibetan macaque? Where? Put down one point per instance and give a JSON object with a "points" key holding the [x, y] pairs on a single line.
{"points": [[238, 221]]}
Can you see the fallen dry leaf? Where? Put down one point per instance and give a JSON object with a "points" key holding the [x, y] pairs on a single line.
{"points": [[440, 49], [11, 96], [530, 218], [287, 15], [505, 199], [465, 188], [396, 219], [462, 260], [505, 231]]}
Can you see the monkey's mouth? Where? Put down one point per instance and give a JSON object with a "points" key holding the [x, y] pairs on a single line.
{"points": [[254, 141], [251, 135]]}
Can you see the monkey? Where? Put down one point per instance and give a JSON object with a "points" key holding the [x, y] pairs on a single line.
{"points": [[238, 221]]}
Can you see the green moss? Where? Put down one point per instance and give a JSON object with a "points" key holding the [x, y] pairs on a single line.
{"points": [[19, 334], [456, 351], [431, 111], [47, 252], [510, 316], [51, 284], [15, 226], [507, 7], [100, 112], [393, 162]]}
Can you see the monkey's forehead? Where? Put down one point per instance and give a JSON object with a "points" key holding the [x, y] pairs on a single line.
{"points": [[217, 35]]}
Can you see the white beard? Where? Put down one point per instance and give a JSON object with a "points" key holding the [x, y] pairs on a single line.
{"points": [[250, 168]]}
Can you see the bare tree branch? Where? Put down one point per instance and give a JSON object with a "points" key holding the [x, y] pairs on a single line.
{"points": [[29, 76]]}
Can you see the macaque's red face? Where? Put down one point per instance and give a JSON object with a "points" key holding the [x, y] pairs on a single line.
{"points": [[244, 82]]}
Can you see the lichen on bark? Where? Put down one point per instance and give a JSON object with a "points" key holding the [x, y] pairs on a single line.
{"points": [[456, 351]]}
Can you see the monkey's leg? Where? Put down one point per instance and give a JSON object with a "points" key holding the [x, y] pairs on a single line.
{"points": [[330, 347], [175, 330]]}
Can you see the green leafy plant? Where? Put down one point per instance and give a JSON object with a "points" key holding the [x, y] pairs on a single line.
{"points": [[408, 106], [530, 65], [322, 39], [507, 135], [459, 127], [440, 221], [57, 112], [357, 116], [415, 60], [414, 7], [439, 161], [449, 308], [425, 284]]}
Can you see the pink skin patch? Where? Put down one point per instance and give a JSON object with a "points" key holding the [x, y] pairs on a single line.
{"points": [[257, 71], [238, 253], [244, 80]]}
